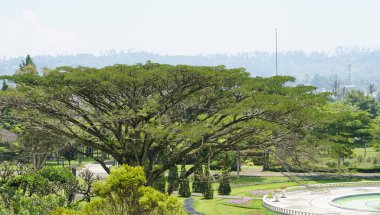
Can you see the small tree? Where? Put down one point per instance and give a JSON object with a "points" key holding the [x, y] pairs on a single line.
{"points": [[208, 192], [27, 66], [5, 86], [184, 187], [86, 188], [173, 179], [197, 186], [224, 184], [69, 153]]}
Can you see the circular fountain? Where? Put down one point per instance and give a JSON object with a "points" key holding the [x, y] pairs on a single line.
{"points": [[348, 198], [360, 202]]}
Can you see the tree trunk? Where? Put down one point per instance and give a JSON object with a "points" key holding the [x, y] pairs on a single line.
{"points": [[339, 163], [57, 154], [266, 160], [34, 160], [238, 165]]}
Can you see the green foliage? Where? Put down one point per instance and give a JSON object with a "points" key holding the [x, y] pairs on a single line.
{"points": [[197, 186], [30, 183], [28, 61], [27, 67], [69, 153], [45, 181], [64, 211], [173, 179], [344, 128], [62, 179], [37, 205], [224, 183], [37, 192], [154, 202], [225, 160], [363, 102], [5, 85], [55, 179], [85, 188], [160, 183], [123, 192], [208, 192], [57, 174], [184, 185], [155, 114], [376, 133]]}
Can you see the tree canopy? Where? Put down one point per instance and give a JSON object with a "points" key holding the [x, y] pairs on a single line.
{"points": [[344, 128], [157, 115]]}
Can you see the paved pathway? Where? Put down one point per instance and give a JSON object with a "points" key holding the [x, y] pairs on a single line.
{"points": [[260, 172], [222, 196], [318, 201], [95, 168]]}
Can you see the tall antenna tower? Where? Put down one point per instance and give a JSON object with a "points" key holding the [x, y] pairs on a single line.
{"points": [[276, 54], [349, 74]]}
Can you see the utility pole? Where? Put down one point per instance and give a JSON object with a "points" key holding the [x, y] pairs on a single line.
{"points": [[276, 54], [349, 74]]}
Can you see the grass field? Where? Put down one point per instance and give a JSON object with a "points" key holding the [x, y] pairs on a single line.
{"points": [[219, 206], [65, 163]]}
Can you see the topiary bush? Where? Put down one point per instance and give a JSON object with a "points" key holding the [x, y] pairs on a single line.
{"points": [[61, 179], [38, 192], [208, 192], [197, 186], [173, 179], [184, 186], [224, 183]]}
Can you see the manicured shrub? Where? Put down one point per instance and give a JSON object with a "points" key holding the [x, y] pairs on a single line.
{"points": [[208, 192], [173, 179], [224, 183], [61, 178], [56, 174], [184, 187], [197, 186]]}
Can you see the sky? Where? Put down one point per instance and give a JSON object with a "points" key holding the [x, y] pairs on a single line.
{"points": [[185, 27]]}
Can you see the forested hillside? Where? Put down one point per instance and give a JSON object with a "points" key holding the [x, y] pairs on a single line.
{"points": [[350, 66]]}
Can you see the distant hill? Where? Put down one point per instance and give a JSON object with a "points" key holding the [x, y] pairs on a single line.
{"points": [[351, 66]]}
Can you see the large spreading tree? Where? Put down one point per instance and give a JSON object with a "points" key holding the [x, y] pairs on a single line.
{"points": [[156, 116], [344, 128]]}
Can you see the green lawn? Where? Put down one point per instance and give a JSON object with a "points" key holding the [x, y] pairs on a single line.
{"points": [[84, 161], [218, 206], [370, 151]]}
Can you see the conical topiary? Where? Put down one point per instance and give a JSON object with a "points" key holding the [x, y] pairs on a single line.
{"points": [[224, 183], [208, 192], [197, 186], [173, 179], [184, 187]]}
